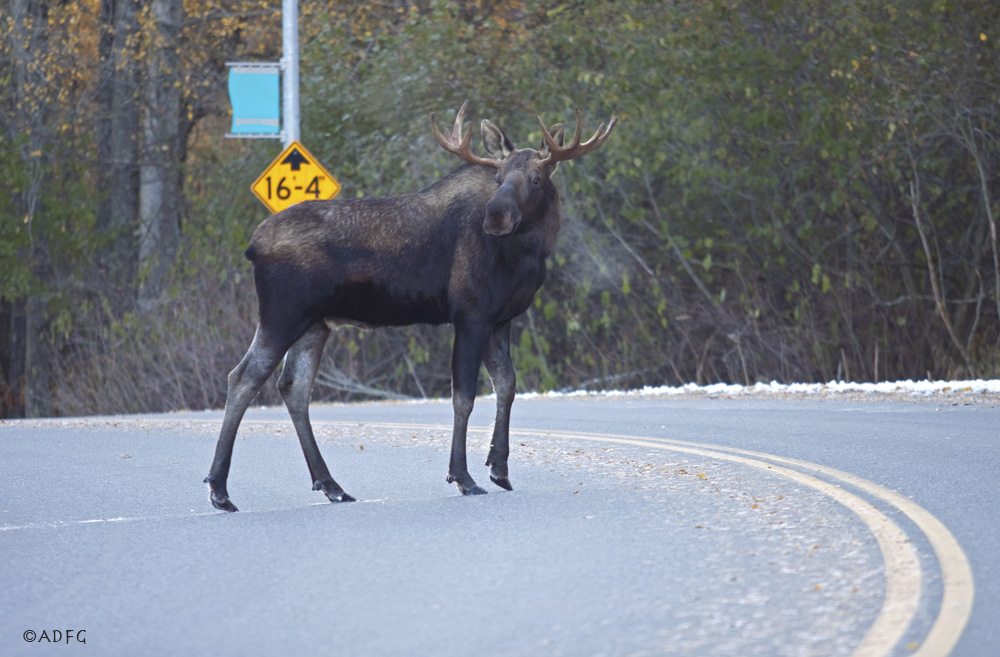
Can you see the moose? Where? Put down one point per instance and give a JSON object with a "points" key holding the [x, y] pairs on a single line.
{"points": [[469, 250]]}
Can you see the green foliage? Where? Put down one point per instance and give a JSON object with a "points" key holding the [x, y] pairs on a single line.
{"points": [[753, 217]]}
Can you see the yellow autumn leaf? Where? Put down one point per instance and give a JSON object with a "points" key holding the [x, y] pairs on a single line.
{"points": [[701, 475]]}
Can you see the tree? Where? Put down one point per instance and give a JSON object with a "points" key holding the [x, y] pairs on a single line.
{"points": [[26, 352], [796, 191], [160, 193], [118, 149]]}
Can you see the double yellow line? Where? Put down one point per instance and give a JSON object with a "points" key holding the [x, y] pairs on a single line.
{"points": [[903, 573]]}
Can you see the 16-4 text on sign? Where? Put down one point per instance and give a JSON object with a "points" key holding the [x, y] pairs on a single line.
{"points": [[294, 176]]}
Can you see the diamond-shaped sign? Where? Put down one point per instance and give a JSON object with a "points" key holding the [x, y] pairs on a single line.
{"points": [[292, 177]]}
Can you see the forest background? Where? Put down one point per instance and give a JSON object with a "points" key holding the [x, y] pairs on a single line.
{"points": [[797, 190]]}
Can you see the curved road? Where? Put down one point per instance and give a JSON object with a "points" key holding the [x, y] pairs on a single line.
{"points": [[637, 526]]}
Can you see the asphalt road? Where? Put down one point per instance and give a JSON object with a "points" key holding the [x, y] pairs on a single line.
{"points": [[619, 537]]}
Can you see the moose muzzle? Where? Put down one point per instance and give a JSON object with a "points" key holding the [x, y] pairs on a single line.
{"points": [[502, 212]]}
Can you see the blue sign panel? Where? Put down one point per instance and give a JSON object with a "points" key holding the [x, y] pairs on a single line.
{"points": [[254, 91]]}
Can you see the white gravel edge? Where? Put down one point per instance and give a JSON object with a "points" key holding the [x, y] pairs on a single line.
{"points": [[907, 387]]}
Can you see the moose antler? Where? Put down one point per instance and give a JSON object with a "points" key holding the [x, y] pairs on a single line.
{"points": [[459, 144], [575, 149]]}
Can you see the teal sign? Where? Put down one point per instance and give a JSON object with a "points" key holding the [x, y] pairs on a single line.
{"points": [[255, 94]]}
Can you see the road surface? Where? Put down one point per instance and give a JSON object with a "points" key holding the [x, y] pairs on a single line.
{"points": [[637, 526]]}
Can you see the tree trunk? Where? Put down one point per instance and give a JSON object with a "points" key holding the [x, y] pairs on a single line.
{"points": [[29, 362], [102, 124], [160, 200], [12, 355], [118, 151]]}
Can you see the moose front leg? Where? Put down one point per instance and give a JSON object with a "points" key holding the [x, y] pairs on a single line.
{"points": [[467, 356], [501, 370]]}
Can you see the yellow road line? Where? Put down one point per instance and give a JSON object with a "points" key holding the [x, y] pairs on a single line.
{"points": [[956, 572], [903, 571]]}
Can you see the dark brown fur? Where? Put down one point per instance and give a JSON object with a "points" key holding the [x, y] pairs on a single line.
{"points": [[469, 250]]}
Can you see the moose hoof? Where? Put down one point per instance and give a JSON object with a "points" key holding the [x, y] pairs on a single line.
{"points": [[219, 497], [340, 497], [469, 487], [223, 504], [333, 492], [502, 482]]}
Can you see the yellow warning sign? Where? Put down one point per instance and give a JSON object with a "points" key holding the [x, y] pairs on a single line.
{"points": [[294, 176]]}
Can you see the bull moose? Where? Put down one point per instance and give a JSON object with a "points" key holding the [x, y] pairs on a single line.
{"points": [[469, 250]]}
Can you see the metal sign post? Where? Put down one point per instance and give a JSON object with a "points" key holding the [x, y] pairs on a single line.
{"points": [[290, 66], [295, 175], [253, 88]]}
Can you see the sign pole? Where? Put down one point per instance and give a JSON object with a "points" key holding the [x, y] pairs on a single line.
{"points": [[295, 175], [290, 65]]}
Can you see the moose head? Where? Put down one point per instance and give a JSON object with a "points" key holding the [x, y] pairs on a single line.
{"points": [[522, 173]]}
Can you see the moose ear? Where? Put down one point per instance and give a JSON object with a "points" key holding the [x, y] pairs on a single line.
{"points": [[496, 141], [558, 133]]}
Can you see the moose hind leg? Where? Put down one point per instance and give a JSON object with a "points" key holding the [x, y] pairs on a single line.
{"points": [[295, 385], [467, 357], [501, 371], [244, 383]]}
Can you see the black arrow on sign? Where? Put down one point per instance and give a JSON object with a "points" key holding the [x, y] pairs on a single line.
{"points": [[295, 160]]}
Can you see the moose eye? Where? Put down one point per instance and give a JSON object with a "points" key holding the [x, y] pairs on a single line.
{"points": [[536, 181]]}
